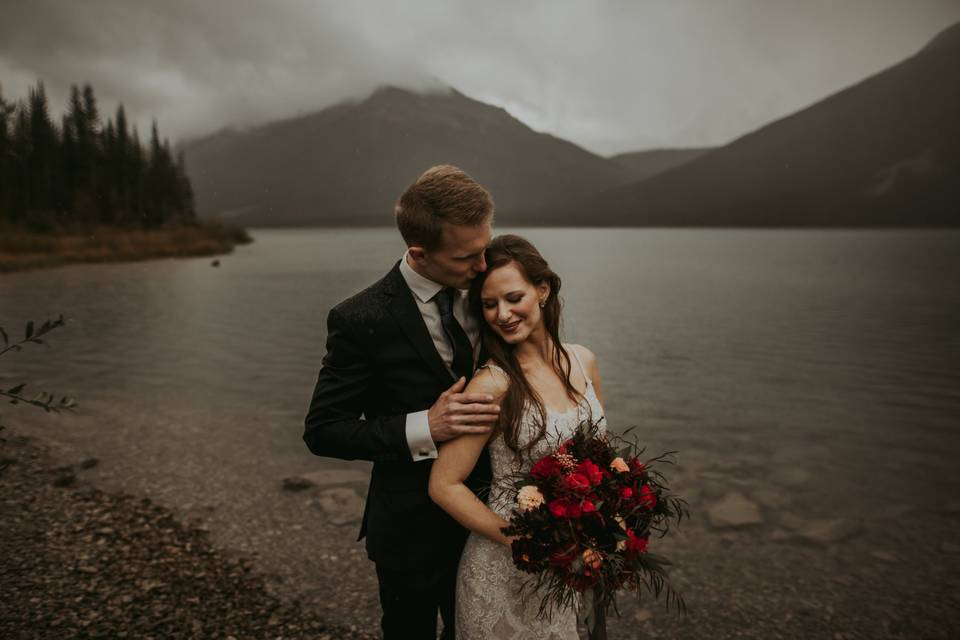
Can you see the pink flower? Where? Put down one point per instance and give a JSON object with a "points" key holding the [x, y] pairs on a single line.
{"points": [[529, 498], [619, 465]]}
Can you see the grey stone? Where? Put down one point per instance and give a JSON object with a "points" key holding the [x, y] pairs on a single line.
{"points": [[894, 511], [334, 477], [949, 547], [770, 498], [325, 478], [734, 510], [883, 555], [952, 507], [820, 530], [791, 476], [642, 615], [65, 479], [341, 505], [296, 483]]}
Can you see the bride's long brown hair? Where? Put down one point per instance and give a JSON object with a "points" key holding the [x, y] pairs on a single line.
{"points": [[504, 250]]}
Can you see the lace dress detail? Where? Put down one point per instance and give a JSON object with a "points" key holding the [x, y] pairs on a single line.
{"points": [[489, 605]]}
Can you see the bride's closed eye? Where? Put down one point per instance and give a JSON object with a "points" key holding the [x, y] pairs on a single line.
{"points": [[512, 299]]}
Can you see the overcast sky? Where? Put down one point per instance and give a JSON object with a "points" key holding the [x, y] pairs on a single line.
{"points": [[609, 76]]}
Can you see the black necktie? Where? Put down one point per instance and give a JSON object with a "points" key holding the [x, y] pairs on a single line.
{"points": [[462, 350]]}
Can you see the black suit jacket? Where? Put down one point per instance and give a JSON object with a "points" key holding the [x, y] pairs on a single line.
{"points": [[381, 364]]}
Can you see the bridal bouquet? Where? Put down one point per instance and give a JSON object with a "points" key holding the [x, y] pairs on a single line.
{"points": [[583, 519]]}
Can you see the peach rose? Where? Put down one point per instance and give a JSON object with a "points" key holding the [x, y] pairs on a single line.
{"points": [[529, 498], [592, 559], [619, 465]]}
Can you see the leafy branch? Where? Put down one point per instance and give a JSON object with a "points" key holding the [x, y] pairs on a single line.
{"points": [[43, 399]]}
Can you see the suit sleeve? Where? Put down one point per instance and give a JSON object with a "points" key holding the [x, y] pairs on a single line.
{"points": [[334, 426]]}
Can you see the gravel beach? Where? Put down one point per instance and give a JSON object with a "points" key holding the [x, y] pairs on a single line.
{"points": [[79, 562]]}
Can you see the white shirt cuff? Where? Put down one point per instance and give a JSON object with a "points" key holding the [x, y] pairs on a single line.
{"points": [[418, 437]]}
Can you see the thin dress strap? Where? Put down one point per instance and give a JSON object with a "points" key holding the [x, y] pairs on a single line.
{"points": [[494, 367], [583, 369]]}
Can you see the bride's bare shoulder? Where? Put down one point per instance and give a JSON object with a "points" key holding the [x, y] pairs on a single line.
{"points": [[489, 379], [588, 358]]}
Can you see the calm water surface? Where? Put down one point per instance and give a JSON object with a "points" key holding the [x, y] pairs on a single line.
{"points": [[747, 351]]}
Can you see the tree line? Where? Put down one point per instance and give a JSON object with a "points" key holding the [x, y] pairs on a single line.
{"points": [[84, 173]]}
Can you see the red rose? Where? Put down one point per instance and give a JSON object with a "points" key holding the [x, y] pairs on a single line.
{"points": [[635, 544], [626, 493], [563, 508], [577, 482], [591, 471], [587, 506], [547, 467], [647, 497], [636, 466]]}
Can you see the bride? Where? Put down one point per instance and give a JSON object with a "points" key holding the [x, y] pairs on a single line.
{"points": [[545, 389]]}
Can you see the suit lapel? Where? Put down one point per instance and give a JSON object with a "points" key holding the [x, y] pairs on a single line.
{"points": [[405, 311]]}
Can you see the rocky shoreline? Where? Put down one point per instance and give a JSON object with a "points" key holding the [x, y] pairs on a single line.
{"points": [[759, 559], [79, 562]]}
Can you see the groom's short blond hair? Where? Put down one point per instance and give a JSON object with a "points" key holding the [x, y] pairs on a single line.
{"points": [[441, 194]]}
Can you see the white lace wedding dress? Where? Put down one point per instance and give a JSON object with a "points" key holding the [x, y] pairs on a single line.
{"points": [[489, 605]]}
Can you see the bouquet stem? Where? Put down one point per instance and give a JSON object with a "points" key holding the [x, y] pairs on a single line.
{"points": [[596, 614]]}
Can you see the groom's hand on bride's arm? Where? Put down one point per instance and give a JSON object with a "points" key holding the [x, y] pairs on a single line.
{"points": [[456, 413]]}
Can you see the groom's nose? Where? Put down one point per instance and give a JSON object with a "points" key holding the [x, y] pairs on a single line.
{"points": [[481, 264]]}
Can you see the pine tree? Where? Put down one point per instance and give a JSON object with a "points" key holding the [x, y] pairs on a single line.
{"points": [[42, 160], [8, 169]]}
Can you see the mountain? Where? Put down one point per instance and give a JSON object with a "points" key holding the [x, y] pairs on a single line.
{"points": [[884, 152], [347, 164], [644, 164]]}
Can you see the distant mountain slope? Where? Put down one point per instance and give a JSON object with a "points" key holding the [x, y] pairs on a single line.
{"points": [[348, 164], [644, 164], [885, 151]]}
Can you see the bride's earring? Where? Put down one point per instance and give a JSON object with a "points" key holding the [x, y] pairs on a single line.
{"points": [[542, 304]]}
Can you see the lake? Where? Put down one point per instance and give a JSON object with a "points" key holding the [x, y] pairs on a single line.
{"points": [[832, 354]]}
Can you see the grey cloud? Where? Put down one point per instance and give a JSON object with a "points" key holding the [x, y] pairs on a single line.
{"points": [[611, 76]]}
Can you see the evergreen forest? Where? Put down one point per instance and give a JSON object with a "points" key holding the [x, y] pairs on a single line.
{"points": [[84, 173]]}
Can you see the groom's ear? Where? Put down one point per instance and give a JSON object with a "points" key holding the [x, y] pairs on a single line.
{"points": [[417, 253]]}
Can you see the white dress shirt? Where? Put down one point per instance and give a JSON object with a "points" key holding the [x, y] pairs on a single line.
{"points": [[419, 441]]}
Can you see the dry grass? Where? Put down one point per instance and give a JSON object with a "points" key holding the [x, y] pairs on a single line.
{"points": [[21, 249]]}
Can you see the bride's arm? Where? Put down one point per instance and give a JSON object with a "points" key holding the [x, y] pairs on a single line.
{"points": [[454, 463]]}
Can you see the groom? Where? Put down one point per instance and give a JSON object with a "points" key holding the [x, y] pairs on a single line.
{"points": [[399, 354]]}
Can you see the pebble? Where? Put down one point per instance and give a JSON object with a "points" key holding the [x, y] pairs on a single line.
{"points": [[821, 530], [734, 510], [341, 505], [791, 476]]}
